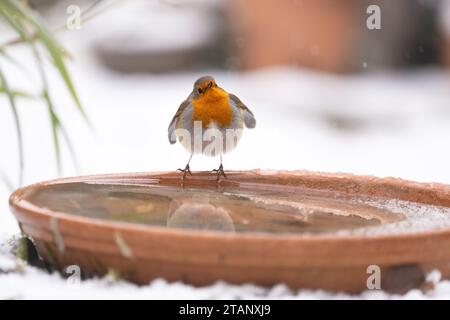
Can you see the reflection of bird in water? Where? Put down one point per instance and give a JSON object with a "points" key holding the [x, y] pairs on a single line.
{"points": [[200, 216]]}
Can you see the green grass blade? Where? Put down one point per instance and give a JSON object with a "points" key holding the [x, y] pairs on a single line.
{"points": [[12, 103], [8, 57], [33, 31], [51, 45], [9, 15], [54, 122], [45, 95], [17, 93], [84, 18], [69, 144]]}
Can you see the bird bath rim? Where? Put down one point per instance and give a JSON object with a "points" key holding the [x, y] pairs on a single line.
{"points": [[320, 261], [17, 204]]}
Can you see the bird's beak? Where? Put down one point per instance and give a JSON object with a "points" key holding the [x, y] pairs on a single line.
{"points": [[210, 85]]}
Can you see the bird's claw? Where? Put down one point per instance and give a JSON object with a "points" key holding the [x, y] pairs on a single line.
{"points": [[220, 172], [185, 171]]}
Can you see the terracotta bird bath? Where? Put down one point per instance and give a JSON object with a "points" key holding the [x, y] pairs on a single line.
{"points": [[307, 230]]}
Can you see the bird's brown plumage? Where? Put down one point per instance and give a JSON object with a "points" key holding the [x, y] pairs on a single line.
{"points": [[180, 110], [249, 121]]}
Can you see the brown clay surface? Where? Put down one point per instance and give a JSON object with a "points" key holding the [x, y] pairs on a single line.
{"points": [[301, 252]]}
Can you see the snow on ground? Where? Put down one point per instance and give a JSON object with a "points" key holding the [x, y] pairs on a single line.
{"points": [[383, 124], [25, 282]]}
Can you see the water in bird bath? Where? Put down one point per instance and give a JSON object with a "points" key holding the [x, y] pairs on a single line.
{"points": [[248, 210]]}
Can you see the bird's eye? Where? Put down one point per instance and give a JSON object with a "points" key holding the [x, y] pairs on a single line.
{"points": [[199, 90]]}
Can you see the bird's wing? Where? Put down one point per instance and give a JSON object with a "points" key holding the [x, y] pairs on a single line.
{"points": [[173, 123], [249, 118]]}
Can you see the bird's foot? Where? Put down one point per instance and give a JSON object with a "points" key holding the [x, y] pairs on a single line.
{"points": [[220, 172], [185, 171]]}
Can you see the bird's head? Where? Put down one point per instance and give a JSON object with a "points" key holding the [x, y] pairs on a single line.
{"points": [[203, 85]]}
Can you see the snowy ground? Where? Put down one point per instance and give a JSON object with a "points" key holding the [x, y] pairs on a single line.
{"points": [[383, 124]]}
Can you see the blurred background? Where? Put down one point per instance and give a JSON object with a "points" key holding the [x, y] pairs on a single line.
{"points": [[329, 92]]}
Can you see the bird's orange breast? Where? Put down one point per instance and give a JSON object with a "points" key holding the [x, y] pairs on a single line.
{"points": [[213, 107]]}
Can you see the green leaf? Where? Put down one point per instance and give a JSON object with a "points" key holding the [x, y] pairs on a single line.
{"points": [[17, 93], [31, 30], [54, 122], [46, 38], [68, 141], [12, 103], [8, 57]]}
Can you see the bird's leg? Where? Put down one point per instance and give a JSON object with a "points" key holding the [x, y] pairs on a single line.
{"points": [[186, 169], [220, 171]]}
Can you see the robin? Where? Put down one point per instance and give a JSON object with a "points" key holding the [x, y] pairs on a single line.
{"points": [[210, 121]]}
